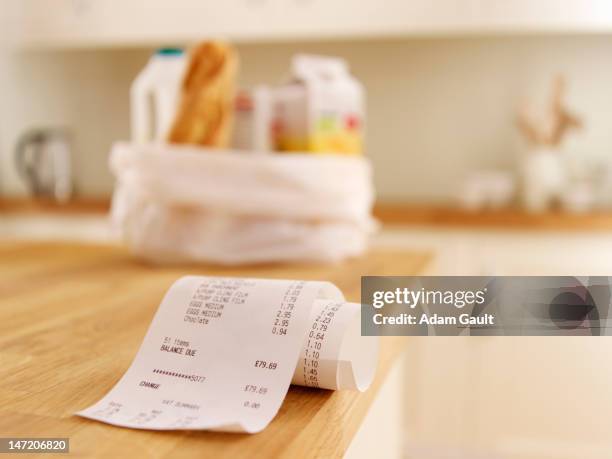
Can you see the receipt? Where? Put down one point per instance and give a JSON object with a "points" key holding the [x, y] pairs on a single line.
{"points": [[221, 352]]}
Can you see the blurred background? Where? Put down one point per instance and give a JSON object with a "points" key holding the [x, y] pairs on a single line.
{"points": [[452, 88]]}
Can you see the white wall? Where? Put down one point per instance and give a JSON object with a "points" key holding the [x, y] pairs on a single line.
{"points": [[437, 108], [84, 91]]}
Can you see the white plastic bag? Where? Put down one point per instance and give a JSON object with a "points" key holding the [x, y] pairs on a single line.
{"points": [[181, 203]]}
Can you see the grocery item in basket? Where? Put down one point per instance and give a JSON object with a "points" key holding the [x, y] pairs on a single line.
{"points": [[204, 116], [154, 95], [252, 128], [321, 109]]}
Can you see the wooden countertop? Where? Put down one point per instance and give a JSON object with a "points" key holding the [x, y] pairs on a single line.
{"points": [[73, 316]]}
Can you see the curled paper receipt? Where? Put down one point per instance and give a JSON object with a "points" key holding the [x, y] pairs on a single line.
{"points": [[221, 352]]}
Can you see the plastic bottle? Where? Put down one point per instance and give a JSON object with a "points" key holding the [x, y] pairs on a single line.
{"points": [[154, 95]]}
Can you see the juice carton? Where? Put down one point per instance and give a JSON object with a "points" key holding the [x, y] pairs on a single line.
{"points": [[321, 109]]}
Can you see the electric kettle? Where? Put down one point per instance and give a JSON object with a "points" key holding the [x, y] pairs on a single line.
{"points": [[42, 158]]}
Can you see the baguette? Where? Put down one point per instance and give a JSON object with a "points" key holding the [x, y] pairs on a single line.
{"points": [[205, 113]]}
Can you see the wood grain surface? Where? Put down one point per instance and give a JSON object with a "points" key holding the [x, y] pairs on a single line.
{"points": [[72, 318]]}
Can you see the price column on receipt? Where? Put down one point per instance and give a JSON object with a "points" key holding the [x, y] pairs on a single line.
{"points": [[220, 354]]}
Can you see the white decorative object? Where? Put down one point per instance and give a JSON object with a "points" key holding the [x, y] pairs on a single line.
{"points": [[544, 178], [578, 197], [543, 168], [487, 190]]}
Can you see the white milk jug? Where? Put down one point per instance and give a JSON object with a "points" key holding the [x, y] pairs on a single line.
{"points": [[154, 95]]}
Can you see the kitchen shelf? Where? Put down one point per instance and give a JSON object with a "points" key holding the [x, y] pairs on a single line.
{"points": [[30, 206], [511, 218], [90, 23]]}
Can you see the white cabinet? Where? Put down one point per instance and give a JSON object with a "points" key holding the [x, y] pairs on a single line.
{"points": [[508, 397], [79, 23]]}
